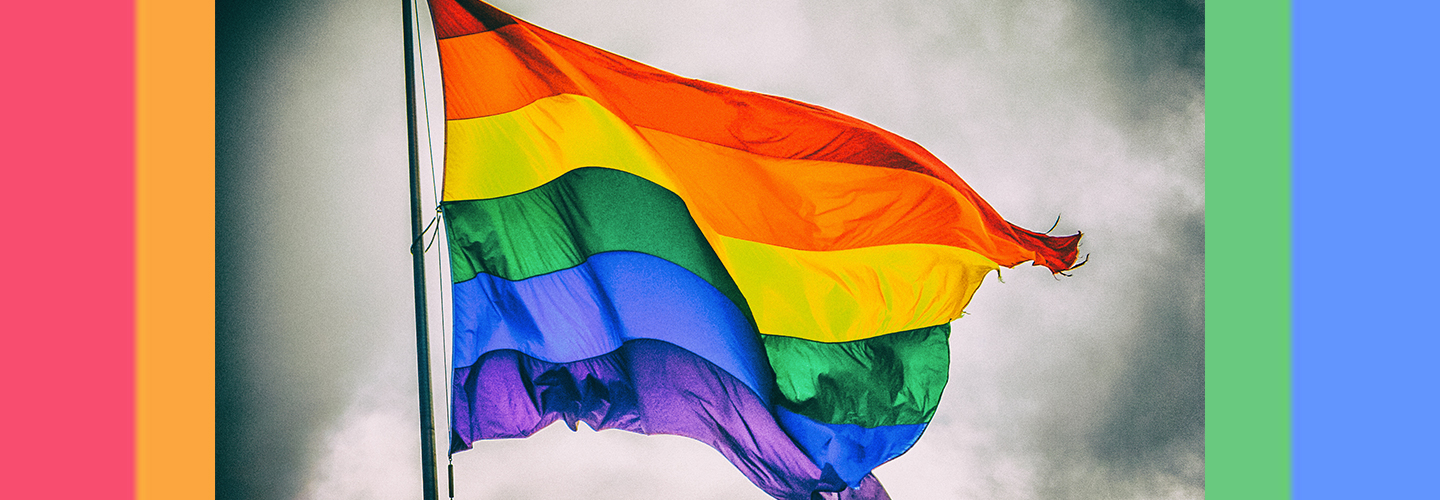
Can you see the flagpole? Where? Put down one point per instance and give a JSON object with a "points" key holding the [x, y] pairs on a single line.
{"points": [[417, 256]]}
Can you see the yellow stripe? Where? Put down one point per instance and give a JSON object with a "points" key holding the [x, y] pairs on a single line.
{"points": [[828, 296], [501, 155], [853, 294]]}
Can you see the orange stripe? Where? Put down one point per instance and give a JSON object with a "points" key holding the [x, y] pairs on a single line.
{"points": [[175, 264], [497, 72], [817, 205], [799, 204], [502, 70]]}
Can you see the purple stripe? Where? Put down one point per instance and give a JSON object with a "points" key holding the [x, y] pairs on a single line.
{"points": [[648, 387]]}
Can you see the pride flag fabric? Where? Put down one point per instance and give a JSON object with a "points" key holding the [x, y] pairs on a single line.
{"points": [[640, 251]]}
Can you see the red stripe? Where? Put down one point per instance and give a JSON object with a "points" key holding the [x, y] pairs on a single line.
{"points": [[454, 18], [67, 209]]}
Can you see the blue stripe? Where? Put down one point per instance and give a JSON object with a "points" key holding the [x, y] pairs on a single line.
{"points": [[591, 309], [851, 451]]}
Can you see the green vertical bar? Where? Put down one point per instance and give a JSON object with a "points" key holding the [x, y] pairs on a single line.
{"points": [[1247, 250]]}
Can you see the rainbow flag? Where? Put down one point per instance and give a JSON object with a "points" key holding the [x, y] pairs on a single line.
{"points": [[640, 251]]}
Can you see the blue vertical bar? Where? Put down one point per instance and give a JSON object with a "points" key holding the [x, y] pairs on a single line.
{"points": [[1364, 188]]}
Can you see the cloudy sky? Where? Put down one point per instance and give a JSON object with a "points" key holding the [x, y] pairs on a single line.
{"points": [[1082, 387]]}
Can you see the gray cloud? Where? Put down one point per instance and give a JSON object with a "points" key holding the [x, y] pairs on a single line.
{"points": [[1083, 387]]}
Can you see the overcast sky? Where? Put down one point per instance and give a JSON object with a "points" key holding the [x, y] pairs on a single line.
{"points": [[1083, 387]]}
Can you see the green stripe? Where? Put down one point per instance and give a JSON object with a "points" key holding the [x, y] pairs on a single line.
{"points": [[893, 379], [1247, 251], [582, 213]]}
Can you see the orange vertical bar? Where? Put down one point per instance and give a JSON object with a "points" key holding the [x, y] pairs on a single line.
{"points": [[175, 250]]}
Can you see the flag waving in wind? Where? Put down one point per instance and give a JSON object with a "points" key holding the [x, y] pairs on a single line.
{"points": [[640, 251]]}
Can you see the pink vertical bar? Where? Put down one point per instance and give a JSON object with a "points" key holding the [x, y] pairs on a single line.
{"points": [[66, 261]]}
